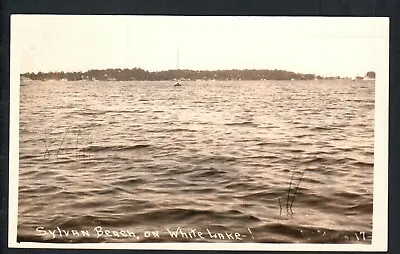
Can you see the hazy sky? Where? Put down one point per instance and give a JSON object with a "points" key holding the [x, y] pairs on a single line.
{"points": [[325, 46]]}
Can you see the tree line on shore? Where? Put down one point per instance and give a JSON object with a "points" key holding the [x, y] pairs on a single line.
{"points": [[140, 74]]}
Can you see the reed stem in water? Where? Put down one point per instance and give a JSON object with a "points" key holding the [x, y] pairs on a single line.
{"points": [[288, 193], [296, 189], [62, 141]]}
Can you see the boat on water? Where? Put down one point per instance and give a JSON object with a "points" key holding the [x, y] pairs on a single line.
{"points": [[177, 83]]}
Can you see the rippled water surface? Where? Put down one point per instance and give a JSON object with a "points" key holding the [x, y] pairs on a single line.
{"points": [[273, 161]]}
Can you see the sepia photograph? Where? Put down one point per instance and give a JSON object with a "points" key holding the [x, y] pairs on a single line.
{"points": [[199, 132]]}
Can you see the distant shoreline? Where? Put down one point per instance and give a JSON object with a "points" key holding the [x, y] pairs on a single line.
{"points": [[137, 74]]}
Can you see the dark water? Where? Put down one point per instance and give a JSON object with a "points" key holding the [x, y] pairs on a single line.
{"points": [[217, 157]]}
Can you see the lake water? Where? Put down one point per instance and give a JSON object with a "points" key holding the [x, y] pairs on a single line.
{"points": [[255, 161]]}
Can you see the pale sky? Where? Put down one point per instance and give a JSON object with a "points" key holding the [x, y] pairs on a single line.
{"points": [[324, 46]]}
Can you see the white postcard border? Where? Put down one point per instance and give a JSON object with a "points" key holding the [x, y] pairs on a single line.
{"points": [[380, 206]]}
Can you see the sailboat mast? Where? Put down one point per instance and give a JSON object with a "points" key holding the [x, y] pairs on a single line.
{"points": [[177, 65]]}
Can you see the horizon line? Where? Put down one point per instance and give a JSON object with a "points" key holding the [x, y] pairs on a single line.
{"points": [[196, 70]]}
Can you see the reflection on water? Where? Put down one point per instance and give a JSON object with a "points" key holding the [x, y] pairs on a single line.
{"points": [[274, 161]]}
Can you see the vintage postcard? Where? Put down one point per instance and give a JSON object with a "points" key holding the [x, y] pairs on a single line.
{"points": [[211, 133]]}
